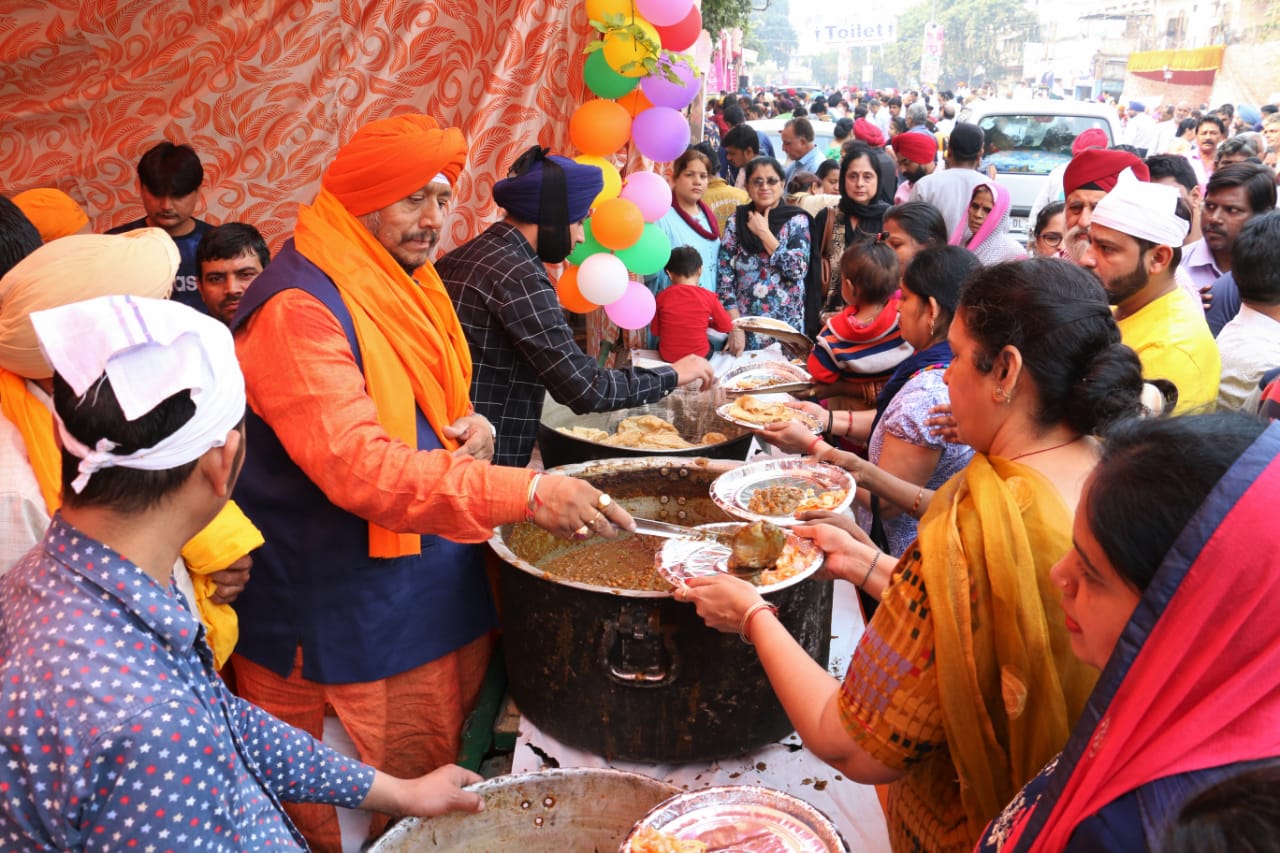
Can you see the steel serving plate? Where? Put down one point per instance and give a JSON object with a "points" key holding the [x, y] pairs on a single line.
{"points": [[681, 559], [768, 377], [732, 490], [810, 422], [779, 330], [744, 819]]}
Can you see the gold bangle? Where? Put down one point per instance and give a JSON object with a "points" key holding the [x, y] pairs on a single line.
{"points": [[752, 611], [916, 504]]}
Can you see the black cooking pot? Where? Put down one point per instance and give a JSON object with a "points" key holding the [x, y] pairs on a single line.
{"points": [[634, 674], [691, 412]]}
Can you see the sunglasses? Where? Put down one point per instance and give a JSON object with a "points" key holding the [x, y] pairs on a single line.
{"points": [[1050, 238], [761, 183]]}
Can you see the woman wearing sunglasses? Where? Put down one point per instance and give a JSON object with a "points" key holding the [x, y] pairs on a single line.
{"points": [[764, 256]]}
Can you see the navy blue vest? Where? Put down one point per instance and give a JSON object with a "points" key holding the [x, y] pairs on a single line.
{"points": [[314, 584]]}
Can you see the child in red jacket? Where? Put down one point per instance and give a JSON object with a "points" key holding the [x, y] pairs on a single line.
{"points": [[685, 311]]}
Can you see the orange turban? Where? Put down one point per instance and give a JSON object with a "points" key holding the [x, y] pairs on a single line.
{"points": [[54, 213], [391, 159]]}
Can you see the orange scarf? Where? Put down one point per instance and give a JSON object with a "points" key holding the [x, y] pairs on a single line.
{"points": [[25, 411], [410, 339]]}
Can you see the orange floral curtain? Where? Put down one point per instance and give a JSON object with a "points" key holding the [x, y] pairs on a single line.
{"points": [[265, 92]]}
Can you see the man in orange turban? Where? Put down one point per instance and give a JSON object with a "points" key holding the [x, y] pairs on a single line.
{"points": [[54, 213], [365, 454]]}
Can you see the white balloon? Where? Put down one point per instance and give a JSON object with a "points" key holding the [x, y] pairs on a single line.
{"points": [[602, 278]]}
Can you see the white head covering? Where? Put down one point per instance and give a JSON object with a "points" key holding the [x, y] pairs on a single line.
{"points": [[1144, 210], [150, 349]]}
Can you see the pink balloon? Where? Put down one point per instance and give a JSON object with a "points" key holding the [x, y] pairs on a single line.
{"points": [[664, 13], [664, 93], [649, 192], [661, 133], [602, 278], [635, 309]]}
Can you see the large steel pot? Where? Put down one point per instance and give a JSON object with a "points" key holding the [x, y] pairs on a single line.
{"points": [[691, 412], [635, 674], [552, 811]]}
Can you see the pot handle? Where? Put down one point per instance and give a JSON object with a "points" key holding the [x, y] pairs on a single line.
{"points": [[635, 651]]}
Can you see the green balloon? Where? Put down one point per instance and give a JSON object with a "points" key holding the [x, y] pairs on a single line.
{"points": [[587, 247], [648, 254], [603, 80]]}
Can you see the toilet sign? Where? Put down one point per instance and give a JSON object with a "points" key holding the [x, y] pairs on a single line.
{"points": [[862, 31]]}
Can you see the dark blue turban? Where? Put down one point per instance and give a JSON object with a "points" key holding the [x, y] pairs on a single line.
{"points": [[551, 191]]}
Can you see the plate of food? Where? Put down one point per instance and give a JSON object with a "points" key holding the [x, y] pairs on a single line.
{"points": [[680, 559], [772, 377], [643, 432], [753, 412], [775, 489], [779, 330]]}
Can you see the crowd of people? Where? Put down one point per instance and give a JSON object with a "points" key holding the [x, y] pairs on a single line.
{"points": [[1062, 452]]}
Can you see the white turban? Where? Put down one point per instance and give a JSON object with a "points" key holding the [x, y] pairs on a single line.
{"points": [[1144, 210], [72, 268], [150, 349]]}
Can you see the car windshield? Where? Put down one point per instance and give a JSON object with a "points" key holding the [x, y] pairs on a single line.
{"points": [[1032, 144]]}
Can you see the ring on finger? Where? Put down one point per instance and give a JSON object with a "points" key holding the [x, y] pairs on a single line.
{"points": [[603, 502], [599, 518], [582, 532]]}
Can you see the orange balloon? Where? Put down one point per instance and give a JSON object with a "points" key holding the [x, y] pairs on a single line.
{"points": [[617, 224], [598, 9], [570, 297], [599, 127], [626, 54], [635, 102]]}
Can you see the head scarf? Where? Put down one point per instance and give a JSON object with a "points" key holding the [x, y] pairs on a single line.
{"points": [[1099, 169], [1144, 210], [390, 159], [149, 349], [54, 213], [1206, 620], [551, 191], [137, 263], [992, 243], [966, 142], [919, 148], [870, 217]]}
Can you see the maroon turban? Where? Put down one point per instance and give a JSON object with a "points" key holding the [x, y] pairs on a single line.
{"points": [[919, 148], [868, 133], [1098, 169], [1094, 137]]}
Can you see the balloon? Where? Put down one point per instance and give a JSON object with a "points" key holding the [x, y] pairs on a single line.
{"points": [[661, 133], [649, 192], [663, 93], [603, 80], [626, 54], [663, 13], [634, 309], [599, 127], [602, 278], [612, 180], [635, 102], [681, 36], [597, 10], [648, 254], [570, 296], [617, 223], [588, 247]]}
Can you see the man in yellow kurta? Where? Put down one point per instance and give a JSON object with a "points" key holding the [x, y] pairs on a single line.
{"points": [[1136, 242]]}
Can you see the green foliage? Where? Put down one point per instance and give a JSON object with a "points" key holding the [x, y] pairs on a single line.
{"points": [[771, 33], [970, 30], [720, 15], [652, 62]]}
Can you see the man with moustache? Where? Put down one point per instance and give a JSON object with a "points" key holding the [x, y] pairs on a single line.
{"points": [[1235, 194], [229, 258], [1090, 175], [1210, 131], [1135, 244], [917, 156]]}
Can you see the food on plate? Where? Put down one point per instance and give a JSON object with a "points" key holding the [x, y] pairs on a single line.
{"points": [[755, 383], [822, 500], [765, 323], [643, 432], [649, 840], [753, 410], [777, 500], [795, 556], [756, 546]]}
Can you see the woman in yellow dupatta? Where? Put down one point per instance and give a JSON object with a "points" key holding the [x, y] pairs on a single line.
{"points": [[964, 683]]}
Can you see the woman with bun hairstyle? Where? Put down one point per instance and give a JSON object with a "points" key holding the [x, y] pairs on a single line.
{"points": [[964, 685]]}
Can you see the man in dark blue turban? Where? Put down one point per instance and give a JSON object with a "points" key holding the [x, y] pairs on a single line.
{"points": [[521, 346]]}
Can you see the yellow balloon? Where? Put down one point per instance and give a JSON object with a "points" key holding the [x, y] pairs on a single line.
{"points": [[597, 9], [612, 180], [623, 49]]}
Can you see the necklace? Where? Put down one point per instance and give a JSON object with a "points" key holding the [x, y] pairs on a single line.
{"points": [[1046, 449]]}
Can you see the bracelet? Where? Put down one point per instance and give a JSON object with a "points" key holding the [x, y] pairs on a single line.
{"points": [[848, 430], [916, 505], [532, 501], [831, 421], [817, 439], [871, 568], [752, 611]]}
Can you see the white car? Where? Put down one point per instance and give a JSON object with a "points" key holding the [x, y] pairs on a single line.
{"points": [[1027, 139], [823, 133]]}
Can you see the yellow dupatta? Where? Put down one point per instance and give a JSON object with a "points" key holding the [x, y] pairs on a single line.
{"points": [[411, 341], [35, 422], [1009, 686]]}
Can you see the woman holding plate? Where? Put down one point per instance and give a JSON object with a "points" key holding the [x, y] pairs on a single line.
{"points": [[963, 684], [764, 256]]}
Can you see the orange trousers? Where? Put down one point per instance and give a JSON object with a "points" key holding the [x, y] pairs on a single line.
{"points": [[406, 725]]}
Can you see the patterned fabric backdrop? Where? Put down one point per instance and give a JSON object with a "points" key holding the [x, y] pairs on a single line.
{"points": [[265, 90]]}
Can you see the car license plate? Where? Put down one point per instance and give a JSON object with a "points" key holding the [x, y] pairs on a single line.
{"points": [[1018, 224]]}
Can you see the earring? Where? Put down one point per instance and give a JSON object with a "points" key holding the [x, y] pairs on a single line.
{"points": [[1001, 396]]}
